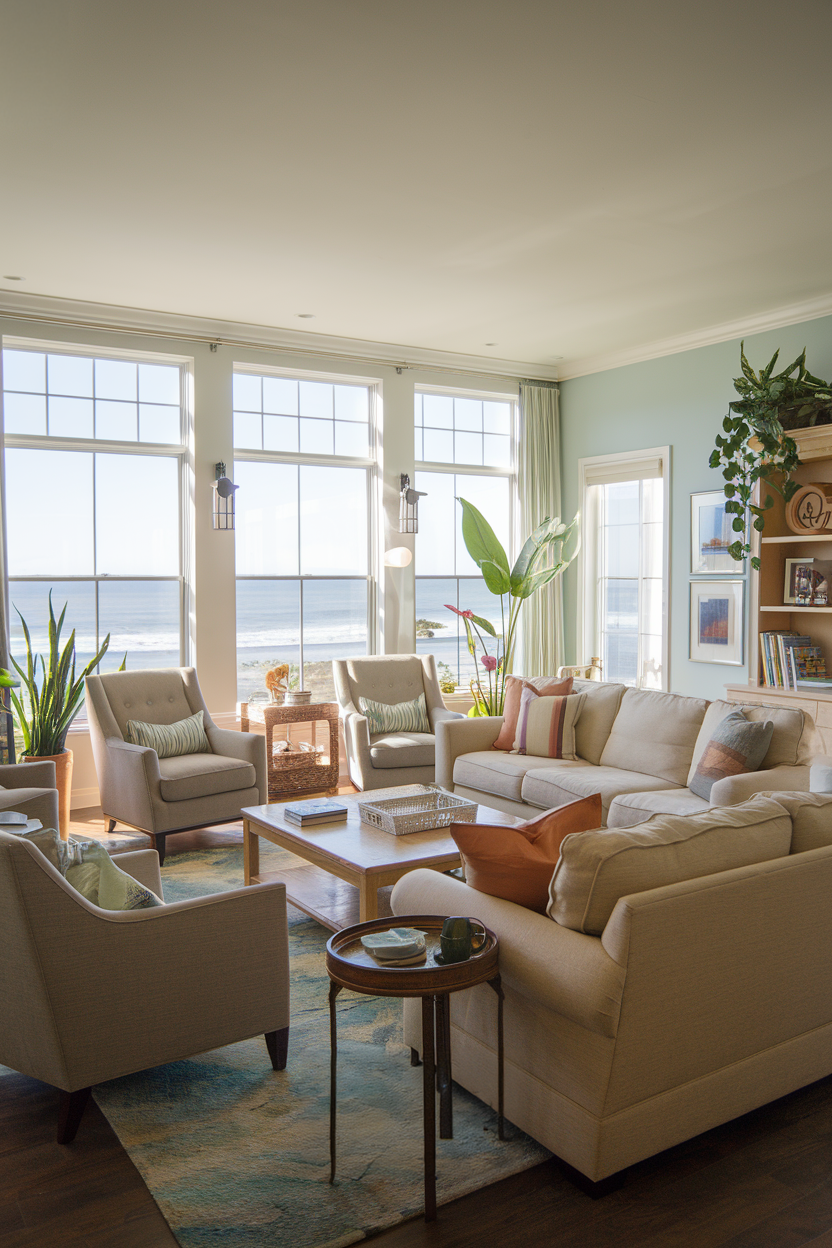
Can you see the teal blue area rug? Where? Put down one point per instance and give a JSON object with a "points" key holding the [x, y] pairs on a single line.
{"points": [[236, 1155]]}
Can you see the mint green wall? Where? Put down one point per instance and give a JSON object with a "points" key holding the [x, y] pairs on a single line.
{"points": [[678, 400]]}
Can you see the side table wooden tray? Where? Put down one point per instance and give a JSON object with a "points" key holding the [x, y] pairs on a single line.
{"points": [[349, 965]]}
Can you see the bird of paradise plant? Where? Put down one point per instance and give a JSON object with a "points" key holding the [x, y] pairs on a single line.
{"points": [[541, 559]]}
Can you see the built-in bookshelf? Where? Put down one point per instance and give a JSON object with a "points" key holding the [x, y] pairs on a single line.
{"points": [[766, 609]]}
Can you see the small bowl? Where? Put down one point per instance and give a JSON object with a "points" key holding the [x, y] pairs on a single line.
{"points": [[398, 942]]}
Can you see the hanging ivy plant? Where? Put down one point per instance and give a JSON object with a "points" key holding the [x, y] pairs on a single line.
{"points": [[769, 404]]}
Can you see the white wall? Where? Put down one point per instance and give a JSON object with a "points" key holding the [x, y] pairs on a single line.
{"points": [[212, 623]]}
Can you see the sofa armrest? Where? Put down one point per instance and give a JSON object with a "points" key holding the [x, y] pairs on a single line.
{"points": [[735, 789], [157, 985], [357, 744], [132, 775], [547, 964], [37, 775], [441, 714], [462, 736], [143, 866]]}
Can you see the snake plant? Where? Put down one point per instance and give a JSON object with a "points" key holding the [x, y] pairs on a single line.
{"points": [[56, 698]]}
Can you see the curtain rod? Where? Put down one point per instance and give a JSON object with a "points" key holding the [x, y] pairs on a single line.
{"points": [[213, 339]]}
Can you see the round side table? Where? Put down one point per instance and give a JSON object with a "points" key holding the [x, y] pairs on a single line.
{"points": [[349, 965]]}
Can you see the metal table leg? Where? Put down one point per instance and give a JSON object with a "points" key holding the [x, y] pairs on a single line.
{"points": [[429, 1099], [443, 1066], [334, 989], [496, 984]]}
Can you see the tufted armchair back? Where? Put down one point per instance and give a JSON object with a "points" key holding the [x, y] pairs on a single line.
{"points": [[154, 696], [389, 678]]}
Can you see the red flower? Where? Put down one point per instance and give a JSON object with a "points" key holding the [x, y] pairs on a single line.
{"points": [[489, 662], [466, 615]]}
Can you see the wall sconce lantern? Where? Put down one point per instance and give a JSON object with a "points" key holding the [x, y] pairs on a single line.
{"points": [[223, 489], [409, 506]]}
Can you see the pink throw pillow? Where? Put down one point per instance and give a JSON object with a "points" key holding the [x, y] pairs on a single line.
{"points": [[511, 707]]}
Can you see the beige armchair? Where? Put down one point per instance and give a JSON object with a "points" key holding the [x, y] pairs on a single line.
{"points": [[31, 789], [160, 796], [83, 997], [383, 760]]}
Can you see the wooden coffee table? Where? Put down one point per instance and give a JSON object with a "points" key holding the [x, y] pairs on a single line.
{"points": [[345, 863]]}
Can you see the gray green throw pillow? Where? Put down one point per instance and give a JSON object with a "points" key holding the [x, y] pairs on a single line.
{"points": [[90, 870], [738, 746], [187, 736], [402, 717]]}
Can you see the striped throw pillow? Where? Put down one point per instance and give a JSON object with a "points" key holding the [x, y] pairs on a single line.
{"points": [[546, 726], [403, 717], [169, 740]]}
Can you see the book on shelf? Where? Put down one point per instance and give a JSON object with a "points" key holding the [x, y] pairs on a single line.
{"points": [[815, 682], [786, 658], [321, 810]]}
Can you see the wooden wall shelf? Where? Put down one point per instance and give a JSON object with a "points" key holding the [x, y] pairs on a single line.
{"points": [[798, 537]]}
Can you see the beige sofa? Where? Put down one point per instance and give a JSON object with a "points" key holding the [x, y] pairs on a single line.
{"points": [[699, 1001], [638, 748]]}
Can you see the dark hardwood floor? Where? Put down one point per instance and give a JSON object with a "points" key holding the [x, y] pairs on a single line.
{"points": [[762, 1181]]}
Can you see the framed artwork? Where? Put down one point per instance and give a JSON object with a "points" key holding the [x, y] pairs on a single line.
{"points": [[710, 536], [717, 622]]}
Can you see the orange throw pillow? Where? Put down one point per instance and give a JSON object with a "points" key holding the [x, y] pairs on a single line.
{"points": [[518, 863], [511, 707]]}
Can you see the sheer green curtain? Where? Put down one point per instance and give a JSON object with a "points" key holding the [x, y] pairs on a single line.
{"points": [[6, 729], [539, 488]]}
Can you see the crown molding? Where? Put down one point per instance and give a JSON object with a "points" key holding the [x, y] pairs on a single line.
{"points": [[75, 313], [791, 314]]}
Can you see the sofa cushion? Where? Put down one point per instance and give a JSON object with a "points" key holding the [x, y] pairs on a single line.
{"points": [[555, 783], [517, 863], [655, 733], [790, 740], [545, 686], [503, 774], [201, 775], [595, 869], [597, 717], [402, 749], [811, 819], [546, 726], [629, 809], [738, 746]]}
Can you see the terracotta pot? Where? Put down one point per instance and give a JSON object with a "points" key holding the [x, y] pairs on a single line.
{"points": [[63, 776]]}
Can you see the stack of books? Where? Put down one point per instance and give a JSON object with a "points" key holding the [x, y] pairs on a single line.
{"points": [[321, 810], [790, 660]]}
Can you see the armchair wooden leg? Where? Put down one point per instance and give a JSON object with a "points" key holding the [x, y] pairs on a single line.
{"points": [[277, 1042], [158, 843], [111, 823], [70, 1113]]}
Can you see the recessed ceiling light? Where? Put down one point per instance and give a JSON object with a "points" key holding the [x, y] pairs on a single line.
{"points": [[306, 316], [8, 277]]}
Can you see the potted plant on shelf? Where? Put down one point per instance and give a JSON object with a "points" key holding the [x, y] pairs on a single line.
{"points": [[540, 561], [52, 703], [757, 446]]}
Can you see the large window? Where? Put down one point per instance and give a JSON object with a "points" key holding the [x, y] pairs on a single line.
{"points": [[303, 462], [464, 449], [624, 593], [94, 454]]}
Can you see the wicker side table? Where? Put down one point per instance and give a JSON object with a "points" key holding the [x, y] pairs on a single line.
{"points": [[300, 772], [350, 966]]}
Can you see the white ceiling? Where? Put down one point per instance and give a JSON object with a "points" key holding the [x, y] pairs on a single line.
{"points": [[565, 180]]}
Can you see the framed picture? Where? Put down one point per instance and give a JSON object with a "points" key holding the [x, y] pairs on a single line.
{"points": [[716, 622], [710, 536]]}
